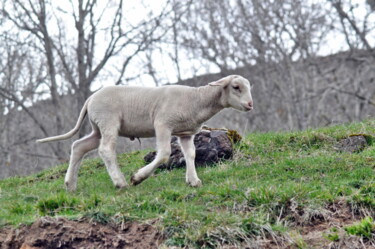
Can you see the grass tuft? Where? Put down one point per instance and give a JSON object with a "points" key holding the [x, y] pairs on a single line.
{"points": [[365, 228], [57, 204]]}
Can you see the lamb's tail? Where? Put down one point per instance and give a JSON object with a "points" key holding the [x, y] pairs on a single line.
{"points": [[81, 117]]}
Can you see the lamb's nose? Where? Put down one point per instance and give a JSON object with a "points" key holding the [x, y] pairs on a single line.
{"points": [[250, 104]]}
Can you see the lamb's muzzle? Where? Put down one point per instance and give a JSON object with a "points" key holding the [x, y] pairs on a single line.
{"points": [[249, 106], [137, 112]]}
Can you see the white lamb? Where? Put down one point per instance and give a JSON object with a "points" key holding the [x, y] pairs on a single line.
{"points": [[136, 112]]}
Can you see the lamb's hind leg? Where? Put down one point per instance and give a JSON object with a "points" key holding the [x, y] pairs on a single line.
{"points": [[163, 143], [107, 151], [79, 149]]}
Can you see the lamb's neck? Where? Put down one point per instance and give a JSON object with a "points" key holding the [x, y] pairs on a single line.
{"points": [[209, 102]]}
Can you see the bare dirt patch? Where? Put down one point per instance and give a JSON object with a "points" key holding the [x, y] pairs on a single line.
{"points": [[48, 233], [325, 231]]}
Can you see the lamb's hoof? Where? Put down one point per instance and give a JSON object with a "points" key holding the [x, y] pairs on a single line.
{"points": [[70, 187], [136, 180], [121, 185], [196, 183]]}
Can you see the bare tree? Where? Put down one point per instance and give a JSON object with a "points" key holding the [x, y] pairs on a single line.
{"points": [[21, 74], [284, 38], [100, 33], [244, 33], [356, 28]]}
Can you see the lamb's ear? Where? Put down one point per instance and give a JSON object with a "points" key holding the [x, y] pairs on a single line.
{"points": [[222, 82], [216, 83]]}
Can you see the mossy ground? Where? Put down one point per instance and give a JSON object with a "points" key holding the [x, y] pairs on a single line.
{"points": [[276, 183]]}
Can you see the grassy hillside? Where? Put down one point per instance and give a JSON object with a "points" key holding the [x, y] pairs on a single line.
{"points": [[276, 186]]}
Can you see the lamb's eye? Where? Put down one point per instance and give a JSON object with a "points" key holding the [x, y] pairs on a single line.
{"points": [[237, 88]]}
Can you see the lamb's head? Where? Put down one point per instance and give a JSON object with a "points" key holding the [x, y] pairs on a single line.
{"points": [[236, 92]]}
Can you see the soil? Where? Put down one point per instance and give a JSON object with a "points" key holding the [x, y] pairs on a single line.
{"points": [[314, 233], [53, 233], [56, 233]]}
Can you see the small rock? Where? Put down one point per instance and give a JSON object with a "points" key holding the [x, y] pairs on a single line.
{"points": [[352, 144]]}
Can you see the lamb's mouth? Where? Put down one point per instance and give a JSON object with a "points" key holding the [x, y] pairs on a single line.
{"points": [[248, 108]]}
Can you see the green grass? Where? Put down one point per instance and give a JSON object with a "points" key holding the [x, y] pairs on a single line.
{"points": [[275, 183], [365, 228]]}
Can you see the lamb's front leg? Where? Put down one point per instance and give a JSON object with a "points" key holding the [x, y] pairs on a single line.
{"points": [[188, 149], [163, 143]]}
